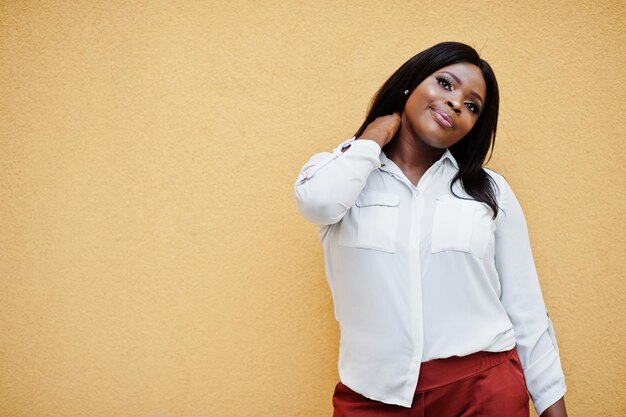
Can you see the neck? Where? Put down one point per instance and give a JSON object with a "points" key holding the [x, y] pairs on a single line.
{"points": [[410, 153]]}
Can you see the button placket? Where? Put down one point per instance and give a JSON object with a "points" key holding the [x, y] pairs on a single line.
{"points": [[415, 269]]}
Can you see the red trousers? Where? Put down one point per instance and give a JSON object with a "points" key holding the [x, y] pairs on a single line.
{"points": [[483, 384]]}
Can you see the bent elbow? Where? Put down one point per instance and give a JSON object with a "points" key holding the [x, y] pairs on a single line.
{"points": [[319, 210]]}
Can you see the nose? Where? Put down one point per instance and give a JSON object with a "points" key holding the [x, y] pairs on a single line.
{"points": [[454, 105]]}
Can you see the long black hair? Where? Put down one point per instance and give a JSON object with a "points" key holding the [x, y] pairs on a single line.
{"points": [[471, 150]]}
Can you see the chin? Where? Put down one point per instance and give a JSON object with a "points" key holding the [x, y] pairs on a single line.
{"points": [[437, 144]]}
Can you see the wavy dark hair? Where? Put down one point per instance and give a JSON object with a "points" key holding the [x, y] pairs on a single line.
{"points": [[471, 150]]}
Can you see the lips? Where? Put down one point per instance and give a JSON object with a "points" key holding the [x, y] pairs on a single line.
{"points": [[443, 118]]}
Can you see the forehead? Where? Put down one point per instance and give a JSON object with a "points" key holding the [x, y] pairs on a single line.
{"points": [[470, 75]]}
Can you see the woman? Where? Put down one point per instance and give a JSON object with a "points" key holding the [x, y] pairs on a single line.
{"points": [[427, 254]]}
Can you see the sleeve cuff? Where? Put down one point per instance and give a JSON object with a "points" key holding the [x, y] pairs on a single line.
{"points": [[545, 381], [549, 397], [366, 144]]}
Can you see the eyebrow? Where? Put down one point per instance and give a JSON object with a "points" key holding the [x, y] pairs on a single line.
{"points": [[472, 93]]}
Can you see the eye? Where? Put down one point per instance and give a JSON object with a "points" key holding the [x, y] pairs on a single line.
{"points": [[444, 81], [476, 107]]}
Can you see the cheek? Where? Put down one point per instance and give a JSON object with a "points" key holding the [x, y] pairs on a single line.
{"points": [[470, 122], [430, 91], [421, 120], [424, 96]]}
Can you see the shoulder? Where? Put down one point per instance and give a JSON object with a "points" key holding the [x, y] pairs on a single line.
{"points": [[497, 177], [494, 174], [502, 185]]}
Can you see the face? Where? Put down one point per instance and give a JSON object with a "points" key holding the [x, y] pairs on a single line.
{"points": [[457, 90]]}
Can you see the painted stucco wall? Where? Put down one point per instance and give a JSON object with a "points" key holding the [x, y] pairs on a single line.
{"points": [[152, 259]]}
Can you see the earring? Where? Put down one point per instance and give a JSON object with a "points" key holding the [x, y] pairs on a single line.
{"points": [[406, 92]]}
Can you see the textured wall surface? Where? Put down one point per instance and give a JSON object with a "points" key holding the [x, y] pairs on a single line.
{"points": [[152, 259]]}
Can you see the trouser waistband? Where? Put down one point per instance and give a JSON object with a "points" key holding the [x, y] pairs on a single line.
{"points": [[437, 372]]}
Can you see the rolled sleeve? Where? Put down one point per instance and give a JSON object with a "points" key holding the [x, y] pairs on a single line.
{"points": [[329, 182], [523, 301]]}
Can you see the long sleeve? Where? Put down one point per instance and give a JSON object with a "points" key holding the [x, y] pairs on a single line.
{"points": [[329, 182], [523, 301]]}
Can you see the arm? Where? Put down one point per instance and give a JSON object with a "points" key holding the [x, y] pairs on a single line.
{"points": [[523, 301], [556, 410], [330, 182]]}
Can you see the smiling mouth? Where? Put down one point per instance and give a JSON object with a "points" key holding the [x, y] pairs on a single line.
{"points": [[441, 120]]}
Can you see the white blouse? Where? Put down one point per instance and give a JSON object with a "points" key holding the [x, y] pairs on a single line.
{"points": [[418, 274]]}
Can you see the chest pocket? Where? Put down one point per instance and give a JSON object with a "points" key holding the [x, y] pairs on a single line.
{"points": [[461, 225], [372, 222]]}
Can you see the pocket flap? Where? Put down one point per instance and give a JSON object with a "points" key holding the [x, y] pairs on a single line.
{"points": [[377, 198], [450, 197], [459, 201]]}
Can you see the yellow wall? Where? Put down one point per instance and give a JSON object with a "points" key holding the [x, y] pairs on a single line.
{"points": [[153, 262]]}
